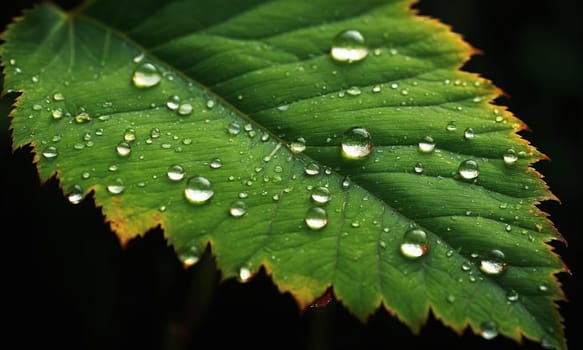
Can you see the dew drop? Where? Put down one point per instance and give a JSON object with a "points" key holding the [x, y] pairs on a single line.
{"points": [[298, 146], [349, 46], [57, 113], [346, 183], [238, 208], [57, 96], [82, 118], [129, 135], [176, 172], [216, 163], [244, 275], [418, 168], [466, 266], [353, 91], [321, 195], [117, 187], [312, 169], [316, 218], [510, 157], [356, 143], [426, 145], [233, 128], [50, 152], [414, 243], [123, 149], [190, 257], [469, 133], [451, 126], [468, 169], [488, 330], [198, 190], [185, 109], [512, 296], [494, 263], [146, 75], [75, 194]]}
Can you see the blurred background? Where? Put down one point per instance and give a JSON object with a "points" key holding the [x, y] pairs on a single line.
{"points": [[70, 284]]}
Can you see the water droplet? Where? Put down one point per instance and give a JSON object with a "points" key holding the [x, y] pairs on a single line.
{"points": [[469, 169], [57, 96], [316, 218], [418, 168], [190, 257], [298, 146], [451, 126], [176, 172], [185, 109], [312, 169], [146, 75], [488, 330], [117, 187], [346, 182], [233, 128], [321, 195], [238, 208], [50, 152], [356, 143], [82, 118], [75, 194], [469, 133], [510, 157], [216, 163], [57, 113], [123, 149], [349, 46], [543, 287], [494, 263], [466, 266], [414, 243], [512, 295], [426, 145], [353, 91], [244, 275], [129, 135], [198, 190], [451, 298]]}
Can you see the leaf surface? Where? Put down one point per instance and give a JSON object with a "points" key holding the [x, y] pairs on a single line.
{"points": [[369, 163]]}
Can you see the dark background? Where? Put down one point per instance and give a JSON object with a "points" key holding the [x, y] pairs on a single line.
{"points": [[68, 284]]}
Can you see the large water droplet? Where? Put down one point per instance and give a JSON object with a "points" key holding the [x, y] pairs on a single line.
{"points": [[488, 330], [117, 187], [316, 218], [312, 169], [349, 46], [176, 172], [510, 157], [321, 195], [123, 149], [238, 208], [356, 143], [146, 75], [298, 146], [185, 109], [75, 194], [469, 133], [198, 190], [50, 152], [426, 145], [469, 169], [494, 263], [414, 243]]}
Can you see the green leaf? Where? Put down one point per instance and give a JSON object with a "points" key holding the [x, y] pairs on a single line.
{"points": [[414, 192]]}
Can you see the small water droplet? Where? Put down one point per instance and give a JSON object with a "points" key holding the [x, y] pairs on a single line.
{"points": [[426, 145], [117, 187], [176, 172], [57, 96], [468, 169], [321, 195], [449, 253], [123, 149], [244, 275], [146, 75], [316, 218], [469, 133], [298, 146], [466, 266], [543, 287], [312, 169], [451, 298], [185, 109], [488, 330], [346, 183], [512, 296], [57, 113], [238, 208], [190, 257], [82, 118], [50, 152], [349, 46], [418, 168], [129, 135], [198, 190], [353, 91], [356, 143], [216, 163], [494, 263], [75, 194], [451, 126], [414, 243], [233, 128], [510, 157]]}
